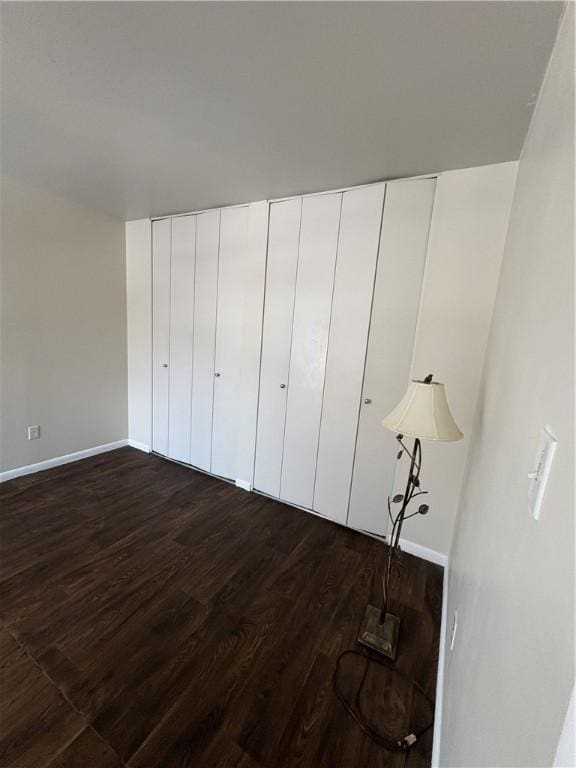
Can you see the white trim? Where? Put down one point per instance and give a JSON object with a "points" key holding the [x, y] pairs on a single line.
{"points": [[566, 749], [424, 552], [301, 194], [394, 180], [192, 466], [139, 446], [437, 733], [203, 210], [59, 460], [244, 484], [355, 186], [438, 558]]}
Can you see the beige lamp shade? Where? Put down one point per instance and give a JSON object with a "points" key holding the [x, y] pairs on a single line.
{"points": [[423, 412]]}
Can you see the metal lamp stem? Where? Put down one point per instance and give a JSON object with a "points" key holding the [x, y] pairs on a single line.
{"points": [[381, 628], [412, 485], [422, 411]]}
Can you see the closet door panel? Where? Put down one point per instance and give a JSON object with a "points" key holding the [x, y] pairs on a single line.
{"points": [[312, 307], [181, 336], [229, 322], [205, 294], [283, 236], [353, 287], [403, 245], [161, 233]]}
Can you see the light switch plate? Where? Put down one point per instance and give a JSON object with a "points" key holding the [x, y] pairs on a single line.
{"points": [[34, 432], [538, 477], [454, 629]]}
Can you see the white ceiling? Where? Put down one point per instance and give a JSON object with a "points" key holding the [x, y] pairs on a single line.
{"points": [[139, 109]]}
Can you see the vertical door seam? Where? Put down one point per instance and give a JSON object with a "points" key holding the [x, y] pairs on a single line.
{"points": [[152, 344], [169, 340], [327, 348], [423, 274], [290, 352], [215, 336], [366, 352], [193, 336], [261, 346]]}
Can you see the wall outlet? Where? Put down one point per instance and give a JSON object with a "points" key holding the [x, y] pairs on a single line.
{"points": [[454, 629], [538, 478], [34, 432]]}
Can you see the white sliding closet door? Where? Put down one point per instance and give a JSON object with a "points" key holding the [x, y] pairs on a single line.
{"points": [[181, 336], [353, 287], [314, 284], [283, 236], [403, 245], [206, 289], [161, 231], [229, 324]]}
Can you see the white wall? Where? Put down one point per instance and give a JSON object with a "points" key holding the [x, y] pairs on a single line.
{"points": [[139, 298], [468, 229], [509, 678], [63, 326]]}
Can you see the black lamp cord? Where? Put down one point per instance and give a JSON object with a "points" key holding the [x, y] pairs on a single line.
{"points": [[355, 710]]}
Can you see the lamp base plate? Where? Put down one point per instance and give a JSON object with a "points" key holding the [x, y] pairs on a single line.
{"points": [[381, 636]]}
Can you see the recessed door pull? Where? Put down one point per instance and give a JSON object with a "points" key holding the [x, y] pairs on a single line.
{"points": [[282, 386], [216, 374], [367, 400], [164, 365]]}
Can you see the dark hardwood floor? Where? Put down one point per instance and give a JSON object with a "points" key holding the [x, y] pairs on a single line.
{"points": [[155, 617]]}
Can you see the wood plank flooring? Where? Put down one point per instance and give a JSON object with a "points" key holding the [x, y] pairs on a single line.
{"points": [[155, 617]]}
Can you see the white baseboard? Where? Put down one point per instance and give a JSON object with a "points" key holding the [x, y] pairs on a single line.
{"points": [[59, 460], [244, 484], [439, 559], [566, 749], [440, 674], [424, 552], [139, 446]]}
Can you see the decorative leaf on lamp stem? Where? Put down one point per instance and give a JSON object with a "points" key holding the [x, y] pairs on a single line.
{"points": [[399, 455], [398, 498], [423, 509]]}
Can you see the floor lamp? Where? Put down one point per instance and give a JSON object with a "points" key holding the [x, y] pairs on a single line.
{"points": [[423, 414]]}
